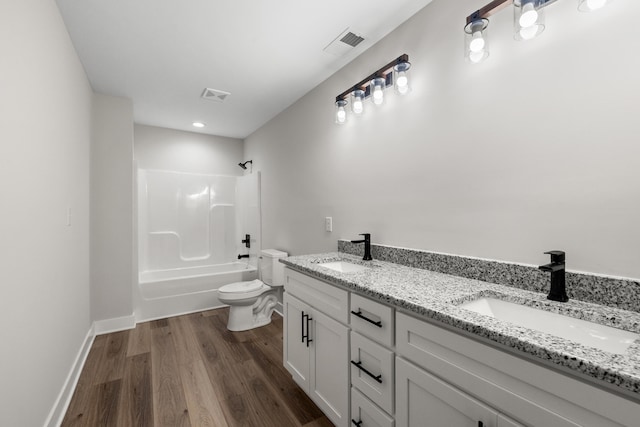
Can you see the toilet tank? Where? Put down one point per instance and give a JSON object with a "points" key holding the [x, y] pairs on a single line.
{"points": [[271, 269]]}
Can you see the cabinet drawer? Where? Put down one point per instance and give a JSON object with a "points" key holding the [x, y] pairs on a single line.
{"points": [[372, 319], [366, 414], [328, 299], [372, 371]]}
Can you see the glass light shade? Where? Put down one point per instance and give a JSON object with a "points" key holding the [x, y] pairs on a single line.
{"points": [[476, 42], [591, 5], [377, 90], [528, 19], [401, 78], [341, 112], [357, 102]]}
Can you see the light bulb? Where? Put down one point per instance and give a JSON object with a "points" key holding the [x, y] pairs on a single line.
{"points": [[595, 4], [476, 57], [477, 42], [528, 33], [401, 77], [378, 96], [402, 83], [357, 99], [341, 113], [357, 106], [529, 15]]}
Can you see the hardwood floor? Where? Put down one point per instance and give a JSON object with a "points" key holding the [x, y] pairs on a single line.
{"points": [[190, 371]]}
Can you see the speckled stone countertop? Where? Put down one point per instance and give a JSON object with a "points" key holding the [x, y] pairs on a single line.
{"points": [[438, 296]]}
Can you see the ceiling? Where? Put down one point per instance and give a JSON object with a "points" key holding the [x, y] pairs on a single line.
{"points": [[162, 54]]}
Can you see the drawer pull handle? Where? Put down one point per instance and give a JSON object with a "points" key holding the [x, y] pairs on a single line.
{"points": [[356, 423], [375, 377], [360, 315]]}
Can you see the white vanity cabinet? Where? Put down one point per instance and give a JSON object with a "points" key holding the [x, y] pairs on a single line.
{"points": [[371, 364], [316, 346], [455, 380]]}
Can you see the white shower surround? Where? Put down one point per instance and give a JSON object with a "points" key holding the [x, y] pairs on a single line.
{"points": [[190, 228]]}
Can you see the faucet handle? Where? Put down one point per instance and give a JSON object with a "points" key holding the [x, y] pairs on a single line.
{"points": [[365, 235], [556, 256]]}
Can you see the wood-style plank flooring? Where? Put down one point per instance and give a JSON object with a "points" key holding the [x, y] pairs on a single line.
{"points": [[190, 371]]}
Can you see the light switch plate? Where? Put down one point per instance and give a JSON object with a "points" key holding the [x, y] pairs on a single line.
{"points": [[328, 223]]}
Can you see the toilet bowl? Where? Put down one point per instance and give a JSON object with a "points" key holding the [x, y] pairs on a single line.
{"points": [[251, 303]]}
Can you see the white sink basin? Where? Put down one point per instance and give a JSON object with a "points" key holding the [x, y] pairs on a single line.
{"points": [[586, 333], [343, 266]]}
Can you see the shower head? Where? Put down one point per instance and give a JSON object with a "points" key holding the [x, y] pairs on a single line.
{"points": [[244, 165]]}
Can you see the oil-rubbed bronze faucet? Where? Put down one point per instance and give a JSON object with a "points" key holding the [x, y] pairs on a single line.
{"points": [[556, 268], [367, 246]]}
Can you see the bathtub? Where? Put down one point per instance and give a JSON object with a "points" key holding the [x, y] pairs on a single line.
{"points": [[165, 293]]}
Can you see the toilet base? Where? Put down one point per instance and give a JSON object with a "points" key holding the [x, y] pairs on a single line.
{"points": [[245, 317]]}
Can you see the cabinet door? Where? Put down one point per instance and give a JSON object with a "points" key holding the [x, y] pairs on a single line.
{"points": [[330, 368], [296, 352], [423, 400]]}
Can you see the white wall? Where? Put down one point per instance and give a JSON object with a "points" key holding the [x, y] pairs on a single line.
{"points": [[536, 149], [168, 149], [112, 235], [45, 131]]}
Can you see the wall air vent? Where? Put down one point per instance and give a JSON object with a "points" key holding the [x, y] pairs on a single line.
{"points": [[344, 43], [215, 95]]}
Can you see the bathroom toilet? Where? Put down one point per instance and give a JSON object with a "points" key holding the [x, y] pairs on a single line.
{"points": [[252, 303]]}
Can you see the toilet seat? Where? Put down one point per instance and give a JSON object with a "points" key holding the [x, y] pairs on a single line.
{"points": [[242, 290]]}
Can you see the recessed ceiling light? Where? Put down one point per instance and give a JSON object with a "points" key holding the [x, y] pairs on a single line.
{"points": [[198, 124]]}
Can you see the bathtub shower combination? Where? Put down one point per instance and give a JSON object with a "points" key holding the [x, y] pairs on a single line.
{"points": [[191, 230]]}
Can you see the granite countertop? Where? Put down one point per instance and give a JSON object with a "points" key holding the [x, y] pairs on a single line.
{"points": [[437, 296]]}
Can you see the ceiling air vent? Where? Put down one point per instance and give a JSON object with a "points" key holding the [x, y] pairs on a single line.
{"points": [[351, 39], [215, 95], [343, 44]]}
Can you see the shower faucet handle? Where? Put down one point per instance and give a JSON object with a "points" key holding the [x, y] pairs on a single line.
{"points": [[247, 240]]}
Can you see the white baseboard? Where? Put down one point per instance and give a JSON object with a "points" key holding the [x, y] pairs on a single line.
{"points": [[57, 413], [114, 325], [279, 309]]}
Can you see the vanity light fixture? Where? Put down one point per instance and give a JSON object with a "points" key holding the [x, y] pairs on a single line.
{"points": [[528, 19], [341, 113], [401, 77], [373, 86], [591, 5], [528, 23], [357, 101], [379, 84]]}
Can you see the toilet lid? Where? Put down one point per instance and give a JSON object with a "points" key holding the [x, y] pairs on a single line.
{"points": [[242, 287]]}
